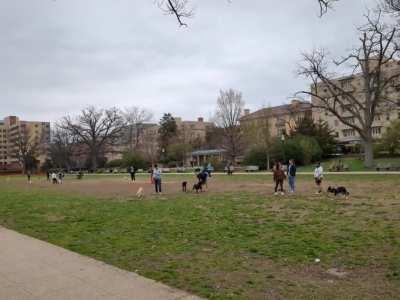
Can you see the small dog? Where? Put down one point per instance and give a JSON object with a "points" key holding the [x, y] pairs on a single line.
{"points": [[198, 187], [184, 186], [339, 191], [140, 193]]}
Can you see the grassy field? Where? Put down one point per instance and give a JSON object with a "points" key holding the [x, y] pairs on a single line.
{"points": [[353, 163], [235, 241]]}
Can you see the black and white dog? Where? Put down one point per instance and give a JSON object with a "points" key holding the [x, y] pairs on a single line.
{"points": [[198, 186], [338, 191]]}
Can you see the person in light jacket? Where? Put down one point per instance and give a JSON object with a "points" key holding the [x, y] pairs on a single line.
{"points": [[318, 176], [157, 178]]}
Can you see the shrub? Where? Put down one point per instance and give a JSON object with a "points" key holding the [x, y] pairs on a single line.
{"points": [[256, 156], [134, 159]]}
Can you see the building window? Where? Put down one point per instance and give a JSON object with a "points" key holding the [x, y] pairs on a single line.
{"points": [[388, 117], [349, 132], [376, 130], [349, 120], [345, 83], [377, 117], [346, 108]]}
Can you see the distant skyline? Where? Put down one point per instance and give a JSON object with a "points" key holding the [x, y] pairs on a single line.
{"points": [[59, 56]]}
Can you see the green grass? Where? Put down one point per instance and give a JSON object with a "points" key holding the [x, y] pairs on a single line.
{"points": [[228, 246], [354, 164]]}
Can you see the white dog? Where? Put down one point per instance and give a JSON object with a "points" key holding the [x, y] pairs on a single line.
{"points": [[140, 193]]}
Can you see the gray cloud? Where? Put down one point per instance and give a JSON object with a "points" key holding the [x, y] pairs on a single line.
{"points": [[58, 56]]}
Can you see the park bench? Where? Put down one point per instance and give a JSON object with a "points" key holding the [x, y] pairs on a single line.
{"points": [[180, 169], [252, 168], [166, 170], [338, 167], [383, 167]]}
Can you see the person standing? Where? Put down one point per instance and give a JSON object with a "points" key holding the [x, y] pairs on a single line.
{"points": [[318, 176], [48, 175], [157, 179], [29, 175], [292, 176], [60, 177], [132, 172], [279, 178]]}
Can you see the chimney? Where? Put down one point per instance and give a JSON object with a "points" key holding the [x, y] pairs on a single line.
{"points": [[200, 119], [246, 112]]}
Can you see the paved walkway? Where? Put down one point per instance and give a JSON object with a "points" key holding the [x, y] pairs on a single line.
{"points": [[33, 269]]}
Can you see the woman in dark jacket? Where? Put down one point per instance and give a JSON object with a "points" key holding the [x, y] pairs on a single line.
{"points": [[279, 178]]}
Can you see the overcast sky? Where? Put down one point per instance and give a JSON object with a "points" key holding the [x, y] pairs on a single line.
{"points": [[57, 57]]}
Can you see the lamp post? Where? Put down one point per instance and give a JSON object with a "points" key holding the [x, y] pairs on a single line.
{"points": [[283, 149]]}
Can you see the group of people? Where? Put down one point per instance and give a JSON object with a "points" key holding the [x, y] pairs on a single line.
{"points": [[280, 174], [156, 176]]}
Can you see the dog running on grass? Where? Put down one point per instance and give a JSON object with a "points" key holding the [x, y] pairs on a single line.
{"points": [[339, 191], [198, 187], [184, 186], [140, 193]]}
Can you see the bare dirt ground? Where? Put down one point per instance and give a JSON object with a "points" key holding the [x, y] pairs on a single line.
{"points": [[122, 188]]}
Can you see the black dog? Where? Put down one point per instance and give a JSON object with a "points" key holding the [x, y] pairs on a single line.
{"points": [[339, 191], [184, 186], [198, 187]]}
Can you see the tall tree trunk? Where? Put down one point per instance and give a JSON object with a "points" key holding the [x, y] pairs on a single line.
{"points": [[94, 160], [368, 154]]}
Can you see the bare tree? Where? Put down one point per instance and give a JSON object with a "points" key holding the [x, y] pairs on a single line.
{"points": [[179, 8], [27, 149], [374, 61], [61, 147], [229, 111], [149, 146], [95, 128], [135, 119], [391, 6], [182, 9]]}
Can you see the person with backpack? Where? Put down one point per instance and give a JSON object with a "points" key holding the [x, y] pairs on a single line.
{"points": [[157, 178], [279, 178], [291, 173]]}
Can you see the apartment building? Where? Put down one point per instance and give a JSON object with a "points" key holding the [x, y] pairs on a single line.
{"points": [[354, 84], [282, 119], [15, 133]]}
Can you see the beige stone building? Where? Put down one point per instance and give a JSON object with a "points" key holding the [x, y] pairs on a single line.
{"points": [[193, 131], [14, 133], [354, 84], [282, 119]]}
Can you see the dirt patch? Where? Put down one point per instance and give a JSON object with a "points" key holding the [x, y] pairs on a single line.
{"points": [[123, 189]]}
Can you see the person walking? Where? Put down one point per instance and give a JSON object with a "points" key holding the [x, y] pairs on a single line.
{"points": [[318, 176], [132, 172], [157, 179], [291, 172], [48, 175], [279, 178]]}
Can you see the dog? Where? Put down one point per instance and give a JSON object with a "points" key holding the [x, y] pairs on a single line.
{"points": [[140, 193], [184, 186], [339, 191], [198, 187]]}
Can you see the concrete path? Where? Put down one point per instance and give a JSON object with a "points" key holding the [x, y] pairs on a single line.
{"points": [[33, 269]]}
